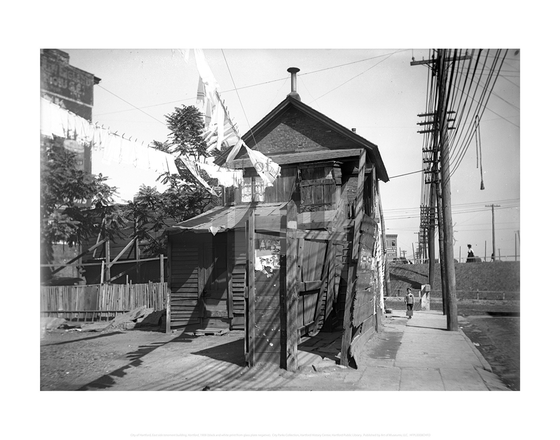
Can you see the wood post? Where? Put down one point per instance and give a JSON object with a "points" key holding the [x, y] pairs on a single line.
{"points": [[291, 299], [352, 270], [447, 224], [250, 299]]}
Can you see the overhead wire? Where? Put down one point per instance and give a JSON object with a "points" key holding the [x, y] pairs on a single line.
{"points": [[347, 81], [132, 105], [483, 105], [239, 97], [466, 128], [252, 85]]}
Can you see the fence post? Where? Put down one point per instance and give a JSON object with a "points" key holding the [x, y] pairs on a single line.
{"points": [[167, 310]]}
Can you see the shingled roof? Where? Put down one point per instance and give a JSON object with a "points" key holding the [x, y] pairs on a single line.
{"points": [[355, 140]]}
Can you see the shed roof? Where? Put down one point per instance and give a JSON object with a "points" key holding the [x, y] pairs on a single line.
{"points": [[224, 218]]}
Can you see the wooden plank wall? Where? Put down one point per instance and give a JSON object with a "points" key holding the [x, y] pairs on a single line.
{"points": [[350, 288], [186, 279], [79, 302]]}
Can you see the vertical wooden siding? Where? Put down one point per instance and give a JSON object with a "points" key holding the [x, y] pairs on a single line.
{"points": [[106, 300], [185, 280]]}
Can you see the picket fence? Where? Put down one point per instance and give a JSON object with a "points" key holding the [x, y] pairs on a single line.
{"points": [[100, 301]]}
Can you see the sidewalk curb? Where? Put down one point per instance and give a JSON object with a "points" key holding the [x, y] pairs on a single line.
{"points": [[477, 352]]}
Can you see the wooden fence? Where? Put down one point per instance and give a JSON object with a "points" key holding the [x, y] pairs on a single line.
{"points": [[100, 301]]}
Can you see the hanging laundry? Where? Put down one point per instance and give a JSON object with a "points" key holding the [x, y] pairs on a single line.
{"points": [[265, 167], [192, 169], [220, 129]]}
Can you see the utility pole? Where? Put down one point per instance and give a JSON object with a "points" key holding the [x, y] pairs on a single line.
{"points": [[442, 179], [493, 230], [447, 224]]}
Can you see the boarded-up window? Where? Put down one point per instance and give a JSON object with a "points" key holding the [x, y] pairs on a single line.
{"points": [[317, 188]]}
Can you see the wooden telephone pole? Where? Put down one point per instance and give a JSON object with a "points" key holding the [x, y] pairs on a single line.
{"points": [[443, 182], [448, 261]]}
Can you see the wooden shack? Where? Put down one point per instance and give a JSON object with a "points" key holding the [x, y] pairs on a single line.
{"points": [[282, 261]]}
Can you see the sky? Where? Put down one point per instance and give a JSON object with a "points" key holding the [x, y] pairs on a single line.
{"points": [[376, 91]]}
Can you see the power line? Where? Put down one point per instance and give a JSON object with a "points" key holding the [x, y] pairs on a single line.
{"points": [[132, 105], [251, 85], [354, 77], [406, 174]]}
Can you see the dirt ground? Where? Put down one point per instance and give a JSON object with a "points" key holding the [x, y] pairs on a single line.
{"points": [[498, 340], [72, 359]]}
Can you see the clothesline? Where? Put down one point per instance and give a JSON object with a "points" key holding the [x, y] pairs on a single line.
{"points": [[113, 148], [110, 150]]}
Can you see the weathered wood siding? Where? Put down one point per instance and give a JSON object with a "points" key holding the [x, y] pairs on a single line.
{"points": [[207, 279], [100, 301], [186, 278], [237, 251]]}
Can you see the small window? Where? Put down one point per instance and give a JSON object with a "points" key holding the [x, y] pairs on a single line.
{"points": [[252, 190]]}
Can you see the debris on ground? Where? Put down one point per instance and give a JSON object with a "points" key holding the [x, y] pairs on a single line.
{"points": [[211, 332], [153, 319], [52, 323], [128, 320]]}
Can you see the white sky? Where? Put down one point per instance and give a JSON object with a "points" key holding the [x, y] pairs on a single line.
{"points": [[376, 91]]}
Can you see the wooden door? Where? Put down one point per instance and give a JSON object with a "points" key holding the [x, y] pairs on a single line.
{"points": [[316, 284], [265, 284]]}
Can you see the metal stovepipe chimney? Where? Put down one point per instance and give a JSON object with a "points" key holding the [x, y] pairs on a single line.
{"points": [[294, 94]]}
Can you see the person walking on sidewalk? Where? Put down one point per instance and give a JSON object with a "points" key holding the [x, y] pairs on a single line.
{"points": [[409, 299]]}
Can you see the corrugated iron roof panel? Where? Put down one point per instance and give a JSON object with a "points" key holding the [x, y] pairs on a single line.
{"points": [[224, 218]]}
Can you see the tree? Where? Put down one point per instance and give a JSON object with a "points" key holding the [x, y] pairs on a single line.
{"points": [[186, 127], [73, 203], [153, 211]]}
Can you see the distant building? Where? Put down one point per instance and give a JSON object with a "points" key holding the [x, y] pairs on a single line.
{"points": [[72, 89], [391, 246], [65, 85]]}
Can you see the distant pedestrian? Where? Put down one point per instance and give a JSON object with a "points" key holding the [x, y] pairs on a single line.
{"points": [[470, 255], [409, 299]]}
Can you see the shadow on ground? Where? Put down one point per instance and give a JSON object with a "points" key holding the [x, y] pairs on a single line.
{"points": [[87, 338], [231, 352], [135, 360]]}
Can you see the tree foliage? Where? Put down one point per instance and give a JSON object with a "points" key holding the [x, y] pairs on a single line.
{"points": [[185, 197], [186, 127], [73, 203]]}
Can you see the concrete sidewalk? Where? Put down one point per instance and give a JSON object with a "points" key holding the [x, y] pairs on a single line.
{"points": [[413, 355], [408, 355]]}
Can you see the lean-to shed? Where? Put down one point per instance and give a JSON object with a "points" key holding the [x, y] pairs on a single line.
{"points": [[284, 261]]}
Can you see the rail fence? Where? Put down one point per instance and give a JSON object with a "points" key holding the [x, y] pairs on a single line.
{"points": [[100, 301]]}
